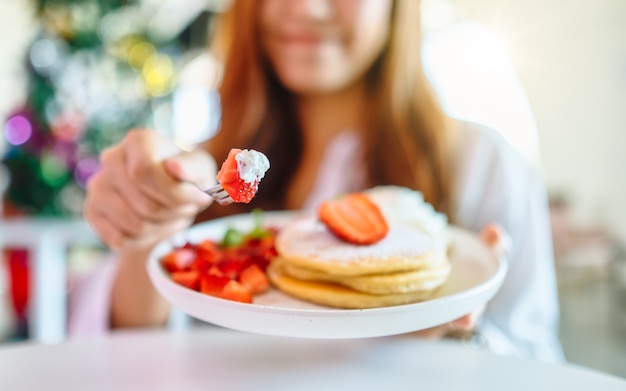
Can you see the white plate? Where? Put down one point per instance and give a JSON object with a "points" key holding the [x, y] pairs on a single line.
{"points": [[476, 276]]}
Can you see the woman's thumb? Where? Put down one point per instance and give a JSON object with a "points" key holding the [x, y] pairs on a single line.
{"points": [[196, 166]]}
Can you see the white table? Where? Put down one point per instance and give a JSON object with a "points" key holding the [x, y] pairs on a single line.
{"points": [[218, 359]]}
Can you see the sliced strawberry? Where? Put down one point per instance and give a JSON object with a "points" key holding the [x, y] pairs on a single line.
{"points": [[179, 259], [200, 265], [213, 285], [228, 176], [215, 271], [208, 250], [232, 267], [209, 267], [254, 279], [354, 218], [267, 247], [237, 292], [189, 279], [233, 262], [261, 251], [208, 254]]}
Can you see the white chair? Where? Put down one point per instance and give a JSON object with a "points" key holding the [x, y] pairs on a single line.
{"points": [[47, 241]]}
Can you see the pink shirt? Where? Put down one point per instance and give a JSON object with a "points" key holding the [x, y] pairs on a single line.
{"points": [[494, 185]]}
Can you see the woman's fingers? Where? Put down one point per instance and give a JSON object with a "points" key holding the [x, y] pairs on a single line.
{"points": [[136, 170], [119, 227], [143, 156], [117, 180], [196, 167], [496, 238], [467, 322], [135, 201], [109, 214], [118, 212], [491, 234], [106, 231], [160, 232], [143, 205], [195, 171], [461, 325]]}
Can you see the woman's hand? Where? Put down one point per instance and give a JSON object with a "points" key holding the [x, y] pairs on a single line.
{"points": [[147, 190], [495, 237], [458, 327]]}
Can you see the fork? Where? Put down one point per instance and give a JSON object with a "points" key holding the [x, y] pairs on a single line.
{"points": [[220, 195]]}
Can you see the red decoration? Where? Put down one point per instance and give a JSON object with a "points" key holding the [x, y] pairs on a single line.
{"points": [[19, 279]]}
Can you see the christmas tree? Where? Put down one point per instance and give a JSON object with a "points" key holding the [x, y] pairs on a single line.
{"points": [[95, 71]]}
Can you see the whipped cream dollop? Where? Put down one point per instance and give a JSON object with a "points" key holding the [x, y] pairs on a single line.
{"points": [[401, 205], [251, 165]]}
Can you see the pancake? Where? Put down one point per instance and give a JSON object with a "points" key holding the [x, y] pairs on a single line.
{"points": [[423, 279], [307, 243], [313, 264], [335, 295]]}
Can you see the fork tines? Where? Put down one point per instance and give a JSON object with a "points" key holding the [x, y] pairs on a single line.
{"points": [[220, 195]]}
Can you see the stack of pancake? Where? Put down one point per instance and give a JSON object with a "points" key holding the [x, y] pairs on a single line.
{"points": [[407, 266]]}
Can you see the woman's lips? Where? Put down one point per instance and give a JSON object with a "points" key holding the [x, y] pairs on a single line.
{"points": [[302, 39]]}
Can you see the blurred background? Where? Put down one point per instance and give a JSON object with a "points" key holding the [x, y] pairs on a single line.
{"points": [[76, 75]]}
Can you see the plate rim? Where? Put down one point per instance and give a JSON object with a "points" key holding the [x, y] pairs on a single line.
{"points": [[157, 272]]}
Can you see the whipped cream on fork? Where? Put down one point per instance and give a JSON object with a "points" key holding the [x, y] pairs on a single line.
{"points": [[251, 165]]}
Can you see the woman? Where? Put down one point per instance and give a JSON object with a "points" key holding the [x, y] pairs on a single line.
{"points": [[334, 93]]}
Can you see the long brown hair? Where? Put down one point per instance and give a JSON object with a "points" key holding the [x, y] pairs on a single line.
{"points": [[406, 141]]}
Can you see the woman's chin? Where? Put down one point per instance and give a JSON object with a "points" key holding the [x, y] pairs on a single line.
{"points": [[314, 85]]}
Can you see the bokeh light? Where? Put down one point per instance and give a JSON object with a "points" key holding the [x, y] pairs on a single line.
{"points": [[18, 130], [68, 127], [53, 169], [85, 169], [158, 73], [44, 54], [72, 199], [139, 53]]}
